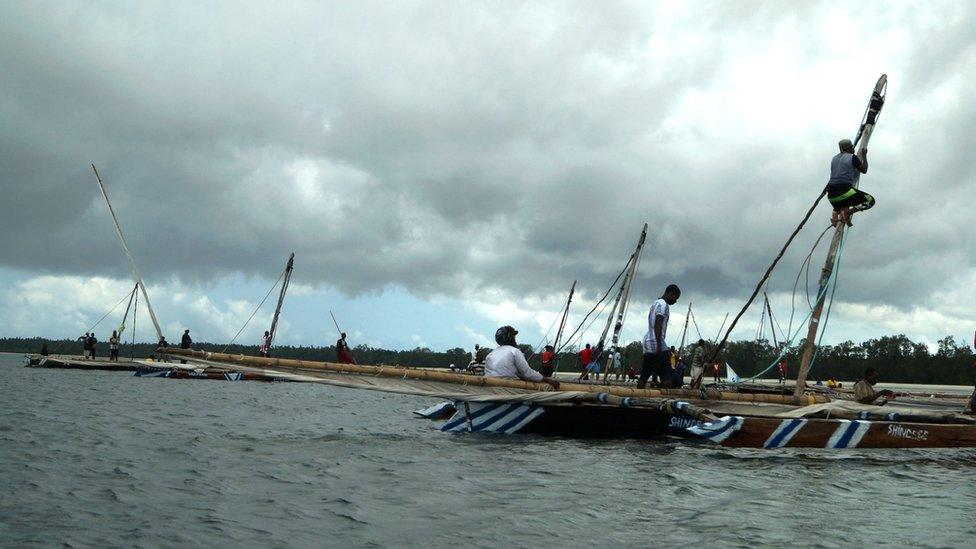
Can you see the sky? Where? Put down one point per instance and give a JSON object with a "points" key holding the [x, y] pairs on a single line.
{"points": [[440, 169]]}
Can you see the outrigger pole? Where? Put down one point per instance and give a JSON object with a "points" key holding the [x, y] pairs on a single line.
{"points": [[864, 136], [128, 254], [281, 298]]}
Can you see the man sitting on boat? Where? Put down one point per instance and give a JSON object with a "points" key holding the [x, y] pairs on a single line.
{"points": [[656, 354], [507, 360], [845, 169], [864, 390]]}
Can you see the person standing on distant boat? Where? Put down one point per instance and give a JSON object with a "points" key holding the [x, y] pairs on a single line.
{"points": [[548, 362], [163, 344], [864, 390], [342, 350], [92, 342], [475, 357], [185, 342], [585, 356], [783, 370], [113, 346], [85, 345], [265, 344], [698, 360], [507, 360], [846, 168], [656, 354]]}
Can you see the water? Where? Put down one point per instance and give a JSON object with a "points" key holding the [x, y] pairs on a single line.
{"points": [[107, 459]]}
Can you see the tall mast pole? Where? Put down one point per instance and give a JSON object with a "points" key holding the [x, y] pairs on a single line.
{"points": [[772, 326], [128, 254], [684, 331], [622, 301], [281, 297], [562, 325], [864, 136]]}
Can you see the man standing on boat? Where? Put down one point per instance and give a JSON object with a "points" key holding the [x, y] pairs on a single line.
{"points": [[185, 342], [864, 390], [92, 343], [113, 346], [265, 343], [845, 169], [698, 360], [585, 356], [548, 361], [85, 345], [342, 350], [507, 360], [656, 354]]}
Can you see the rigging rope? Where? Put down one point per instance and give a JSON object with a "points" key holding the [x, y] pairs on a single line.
{"points": [[610, 289], [255, 311], [92, 329]]}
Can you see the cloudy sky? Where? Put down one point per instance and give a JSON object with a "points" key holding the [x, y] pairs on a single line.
{"points": [[440, 168]]}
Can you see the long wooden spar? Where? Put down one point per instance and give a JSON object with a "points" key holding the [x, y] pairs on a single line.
{"points": [[132, 263], [398, 372]]}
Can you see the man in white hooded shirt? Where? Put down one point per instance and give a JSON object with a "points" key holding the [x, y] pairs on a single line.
{"points": [[507, 360]]}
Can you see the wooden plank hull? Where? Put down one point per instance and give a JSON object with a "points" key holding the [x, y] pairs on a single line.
{"points": [[221, 375], [759, 432], [81, 363]]}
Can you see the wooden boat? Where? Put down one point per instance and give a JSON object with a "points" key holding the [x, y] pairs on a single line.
{"points": [[73, 362], [764, 432]]}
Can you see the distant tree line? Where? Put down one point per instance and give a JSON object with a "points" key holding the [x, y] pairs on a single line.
{"points": [[899, 359]]}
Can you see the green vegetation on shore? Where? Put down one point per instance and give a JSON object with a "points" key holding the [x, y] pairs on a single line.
{"points": [[898, 359]]}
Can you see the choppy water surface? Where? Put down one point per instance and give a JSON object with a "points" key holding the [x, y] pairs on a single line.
{"points": [[107, 459]]}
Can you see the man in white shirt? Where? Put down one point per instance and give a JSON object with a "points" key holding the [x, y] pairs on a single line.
{"points": [[656, 352], [507, 360]]}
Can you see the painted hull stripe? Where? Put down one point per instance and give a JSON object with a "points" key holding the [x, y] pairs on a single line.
{"points": [[848, 434], [784, 433], [461, 418]]}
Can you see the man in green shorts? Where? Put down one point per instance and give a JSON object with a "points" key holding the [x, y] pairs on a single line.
{"points": [[845, 169]]}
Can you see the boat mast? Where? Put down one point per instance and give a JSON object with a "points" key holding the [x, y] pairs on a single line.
{"points": [[128, 254], [281, 298], [772, 327], [864, 136], [684, 331], [562, 325], [621, 306]]}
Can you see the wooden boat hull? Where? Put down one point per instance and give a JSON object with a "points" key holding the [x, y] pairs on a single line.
{"points": [[760, 432], [80, 363], [180, 373], [565, 420]]}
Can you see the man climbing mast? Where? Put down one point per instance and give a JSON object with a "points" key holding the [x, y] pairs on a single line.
{"points": [[845, 169]]}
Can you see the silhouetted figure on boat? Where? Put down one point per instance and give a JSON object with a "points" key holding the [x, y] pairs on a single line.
{"points": [[656, 353], [845, 169], [162, 344], [44, 349], [507, 360], [86, 345], [92, 342], [342, 350], [185, 342]]}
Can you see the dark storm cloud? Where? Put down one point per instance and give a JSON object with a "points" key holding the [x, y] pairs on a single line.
{"points": [[451, 148]]}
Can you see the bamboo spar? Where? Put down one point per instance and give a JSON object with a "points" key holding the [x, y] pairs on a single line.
{"points": [[864, 136], [423, 374], [128, 254]]}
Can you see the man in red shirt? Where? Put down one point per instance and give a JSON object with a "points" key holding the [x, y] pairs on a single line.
{"points": [[342, 350], [586, 356], [548, 365]]}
